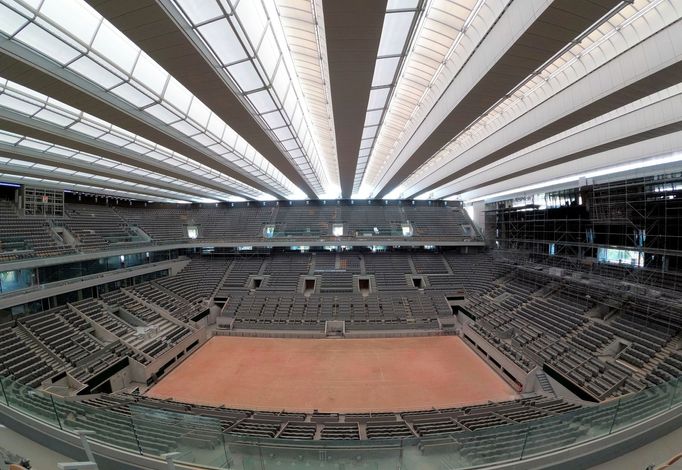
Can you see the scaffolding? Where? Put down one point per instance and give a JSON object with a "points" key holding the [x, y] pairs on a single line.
{"points": [[638, 215]]}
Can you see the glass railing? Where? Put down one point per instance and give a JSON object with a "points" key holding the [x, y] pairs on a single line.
{"points": [[203, 441]]}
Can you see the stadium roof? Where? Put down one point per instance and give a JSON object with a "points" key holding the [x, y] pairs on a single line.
{"points": [[219, 100]]}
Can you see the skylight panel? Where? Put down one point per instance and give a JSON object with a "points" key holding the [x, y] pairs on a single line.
{"points": [[577, 60], [112, 139], [384, 71], [150, 74], [202, 11], [72, 15], [246, 76], [394, 32], [112, 44], [87, 130], [55, 118], [47, 44], [445, 35], [251, 47], [16, 104], [10, 22], [132, 95], [223, 40], [113, 62]]}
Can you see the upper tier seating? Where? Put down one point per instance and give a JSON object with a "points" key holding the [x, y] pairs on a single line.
{"points": [[197, 281], [100, 227], [26, 237], [97, 227]]}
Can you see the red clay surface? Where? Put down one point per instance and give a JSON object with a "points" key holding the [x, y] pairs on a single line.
{"points": [[334, 375]]}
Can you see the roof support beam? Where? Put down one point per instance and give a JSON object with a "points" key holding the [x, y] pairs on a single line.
{"points": [[559, 24], [353, 30], [646, 86], [76, 165], [148, 25], [76, 180], [41, 75], [629, 140], [48, 133]]}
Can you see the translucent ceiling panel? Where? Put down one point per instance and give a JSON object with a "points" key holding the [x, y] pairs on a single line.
{"points": [[52, 173], [76, 37], [34, 105], [19, 145], [445, 36], [630, 25], [400, 23], [14, 174], [278, 66]]}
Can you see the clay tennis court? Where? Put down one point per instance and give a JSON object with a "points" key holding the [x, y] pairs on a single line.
{"points": [[342, 375]]}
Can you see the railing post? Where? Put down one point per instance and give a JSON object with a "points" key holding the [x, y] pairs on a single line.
{"points": [[615, 414], [169, 459], [56, 413], [674, 394], [525, 441], [4, 393], [83, 434], [137, 439]]}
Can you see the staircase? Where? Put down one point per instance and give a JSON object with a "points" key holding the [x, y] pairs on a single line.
{"points": [[545, 385]]}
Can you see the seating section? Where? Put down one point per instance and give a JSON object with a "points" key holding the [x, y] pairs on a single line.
{"points": [[163, 225], [285, 270], [585, 336], [63, 340], [269, 310], [159, 297], [311, 221], [164, 333], [98, 227], [354, 426], [21, 362], [26, 237], [198, 281], [389, 270]]}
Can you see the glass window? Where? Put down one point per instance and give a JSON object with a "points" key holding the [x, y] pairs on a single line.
{"points": [[132, 95], [150, 74], [246, 76], [10, 22]]}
